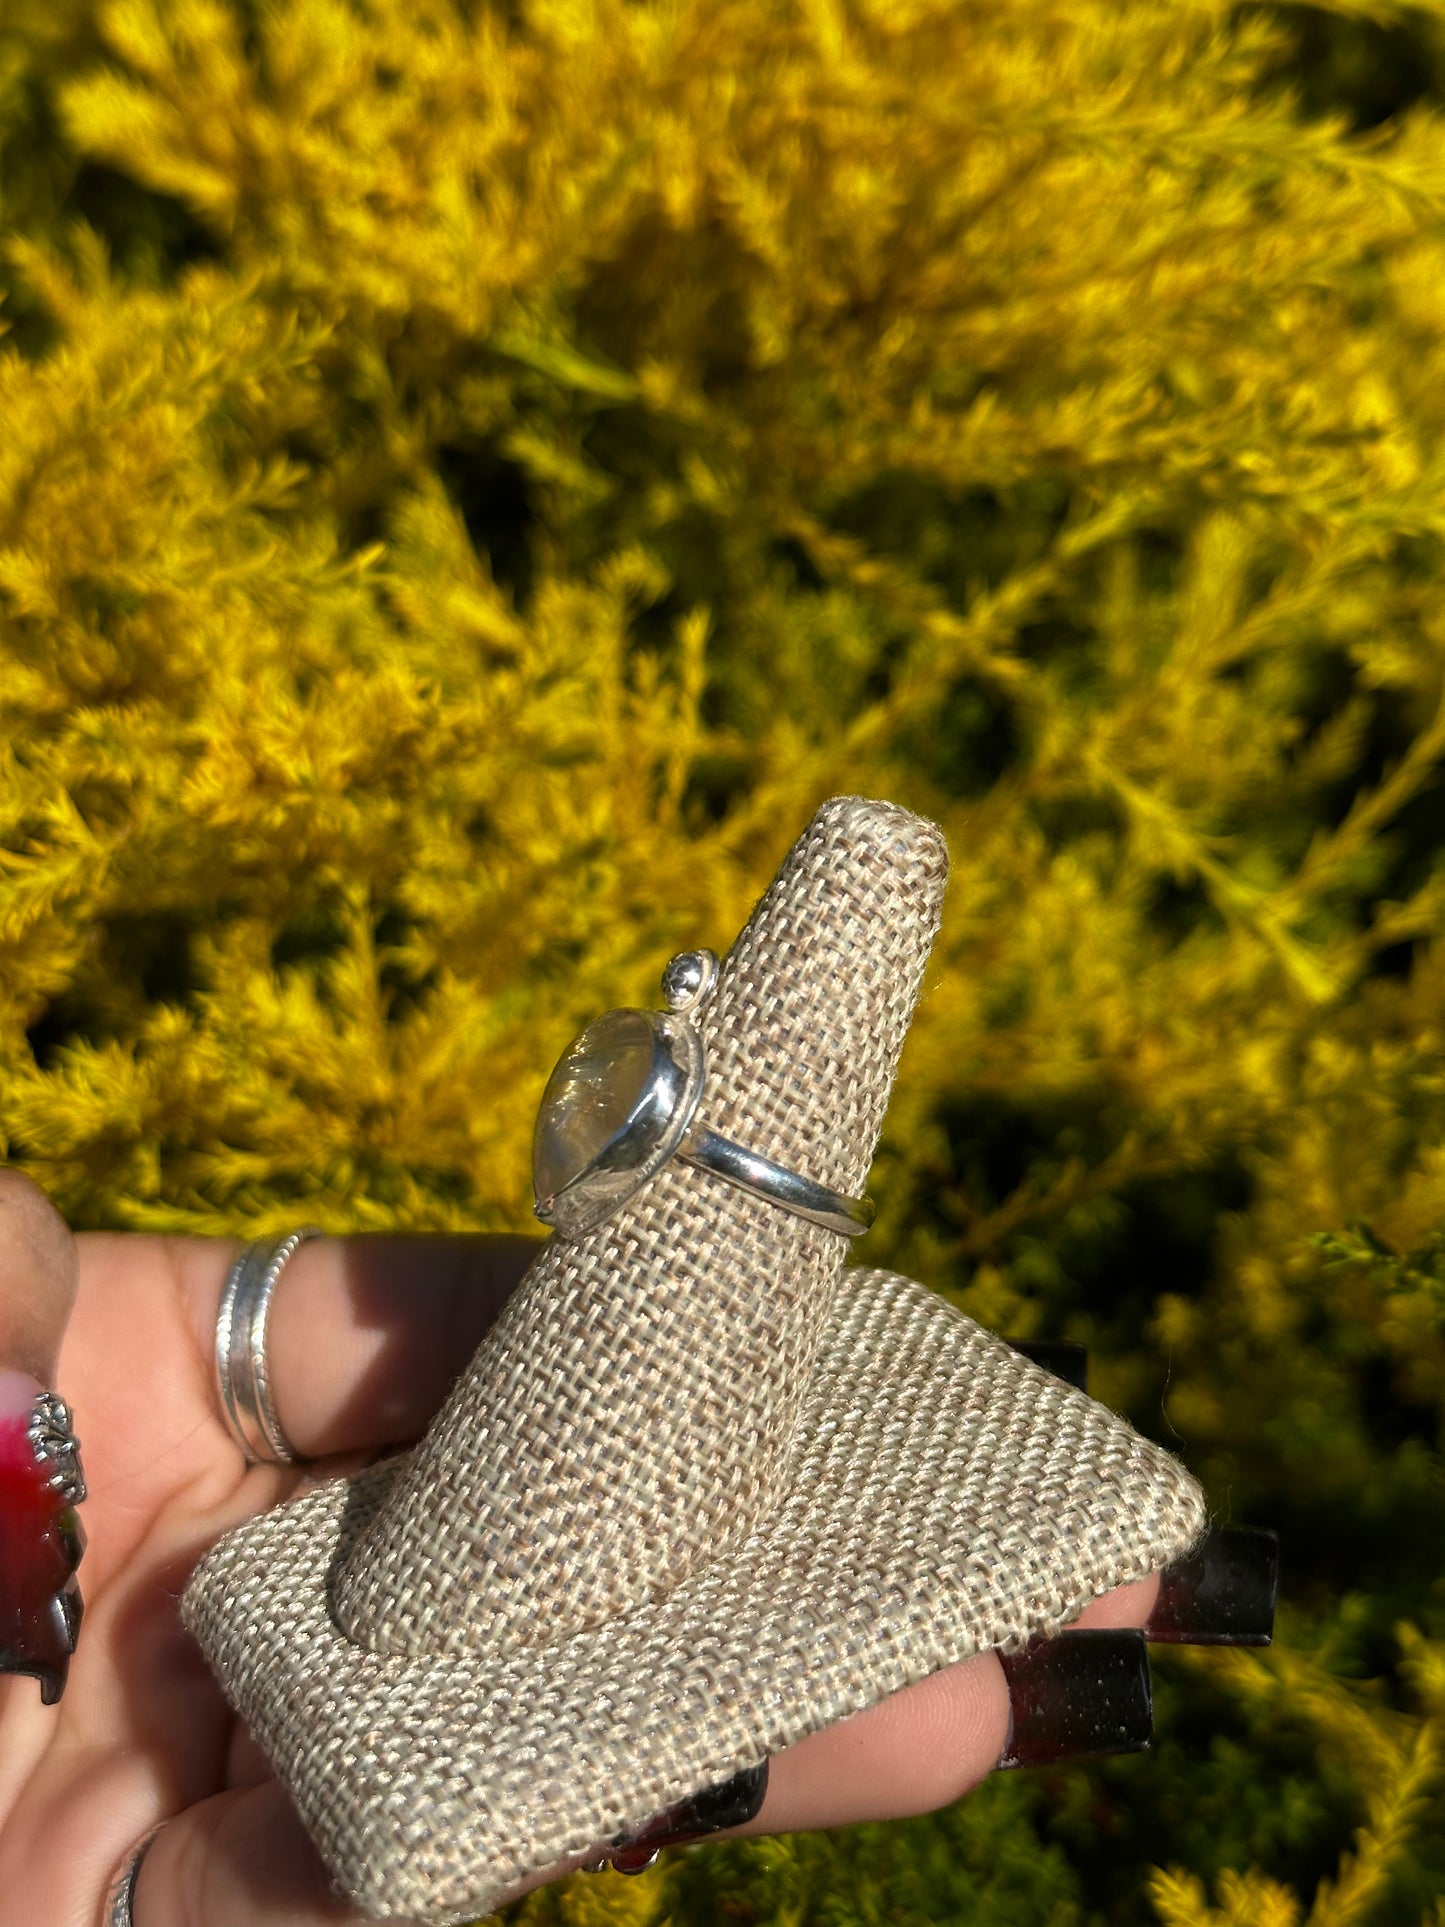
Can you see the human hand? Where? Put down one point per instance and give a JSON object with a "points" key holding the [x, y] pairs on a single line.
{"points": [[366, 1337]]}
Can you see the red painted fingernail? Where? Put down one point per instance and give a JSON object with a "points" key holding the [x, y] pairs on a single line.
{"points": [[41, 1539], [18, 1393]]}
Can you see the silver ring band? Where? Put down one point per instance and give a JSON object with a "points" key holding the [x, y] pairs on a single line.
{"points": [[120, 1899], [647, 1069], [764, 1179], [242, 1377]]}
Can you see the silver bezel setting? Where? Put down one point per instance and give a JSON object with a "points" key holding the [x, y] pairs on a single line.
{"points": [[660, 1126], [655, 1127]]}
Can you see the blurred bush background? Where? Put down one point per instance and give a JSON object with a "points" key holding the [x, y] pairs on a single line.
{"points": [[473, 477]]}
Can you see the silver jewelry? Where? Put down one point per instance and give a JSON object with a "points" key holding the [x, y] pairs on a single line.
{"points": [[121, 1897], [622, 1101], [242, 1376], [54, 1443]]}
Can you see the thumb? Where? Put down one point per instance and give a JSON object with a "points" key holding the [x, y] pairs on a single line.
{"points": [[40, 1481], [37, 1280]]}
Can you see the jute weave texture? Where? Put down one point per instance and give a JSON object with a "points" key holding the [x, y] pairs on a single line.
{"points": [[701, 1492], [632, 1415]]}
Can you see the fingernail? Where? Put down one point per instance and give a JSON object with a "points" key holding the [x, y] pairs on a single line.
{"points": [[1223, 1594], [1077, 1696], [1065, 1361], [41, 1540], [711, 1811]]}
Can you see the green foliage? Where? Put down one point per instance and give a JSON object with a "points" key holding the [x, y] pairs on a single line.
{"points": [[474, 477]]}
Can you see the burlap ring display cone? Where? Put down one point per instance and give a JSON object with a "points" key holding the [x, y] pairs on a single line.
{"points": [[702, 1491]]}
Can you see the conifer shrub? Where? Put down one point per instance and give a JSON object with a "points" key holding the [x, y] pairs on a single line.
{"points": [[475, 475]]}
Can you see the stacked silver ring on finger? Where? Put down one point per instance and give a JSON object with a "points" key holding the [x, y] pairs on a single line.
{"points": [[242, 1374], [120, 1899]]}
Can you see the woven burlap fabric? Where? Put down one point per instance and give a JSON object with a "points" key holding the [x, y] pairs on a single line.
{"points": [[633, 1413], [881, 1488], [947, 1497]]}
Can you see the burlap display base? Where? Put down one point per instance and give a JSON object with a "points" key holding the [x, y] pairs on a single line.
{"points": [[701, 1492], [632, 1415]]}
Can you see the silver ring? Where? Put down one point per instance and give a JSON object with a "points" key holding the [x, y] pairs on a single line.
{"points": [[622, 1101], [242, 1377], [120, 1899], [53, 1441]]}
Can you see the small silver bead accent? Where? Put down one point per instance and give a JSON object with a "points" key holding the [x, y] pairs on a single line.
{"points": [[688, 978]]}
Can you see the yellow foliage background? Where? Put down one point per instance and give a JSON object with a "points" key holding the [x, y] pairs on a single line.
{"points": [[473, 477]]}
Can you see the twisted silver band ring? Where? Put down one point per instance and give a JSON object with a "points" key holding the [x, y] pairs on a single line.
{"points": [[242, 1377]]}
